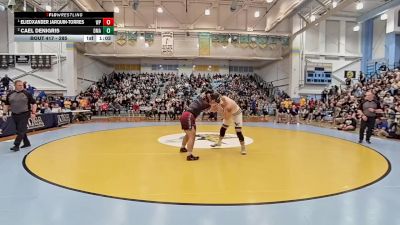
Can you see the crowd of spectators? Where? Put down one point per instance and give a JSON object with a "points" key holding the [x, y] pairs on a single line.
{"points": [[166, 95], [45, 104], [155, 95], [339, 105]]}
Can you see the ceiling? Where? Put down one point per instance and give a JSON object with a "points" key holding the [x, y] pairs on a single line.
{"points": [[112, 60], [320, 7], [189, 15]]}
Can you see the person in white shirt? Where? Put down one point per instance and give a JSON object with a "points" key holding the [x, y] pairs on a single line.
{"points": [[56, 108], [388, 99], [1, 112]]}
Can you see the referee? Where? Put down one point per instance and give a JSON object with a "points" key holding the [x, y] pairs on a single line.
{"points": [[368, 110], [23, 107]]}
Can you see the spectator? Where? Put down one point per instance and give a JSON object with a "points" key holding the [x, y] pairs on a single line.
{"points": [[382, 128], [116, 107], [282, 114], [294, 115], [6, 82], [361, 79], [348, 82], [74, 106], [103, 108], [67, 103], [56, 108], [162, 110], [349, 124], [45, 108]]}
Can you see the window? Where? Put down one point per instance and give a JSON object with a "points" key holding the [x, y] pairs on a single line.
{"points": [[241, 69], [157, 67]]}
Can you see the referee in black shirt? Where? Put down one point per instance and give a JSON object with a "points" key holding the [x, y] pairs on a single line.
{"points": [[368, 110], [23, 107]]}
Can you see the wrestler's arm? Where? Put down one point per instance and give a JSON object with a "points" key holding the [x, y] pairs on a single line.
{"points": [[214, 107], [227, 111]]}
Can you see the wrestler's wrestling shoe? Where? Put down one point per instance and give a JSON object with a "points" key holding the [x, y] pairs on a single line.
{"points": [[243, 150], [192, 158], [218, 144]]}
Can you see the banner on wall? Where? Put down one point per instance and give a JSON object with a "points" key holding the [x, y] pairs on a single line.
{"points": [[167, 43], [285, 41], [273, 42], [253, 41], [204, 44], [132, 38], [224, 39], [22, 58], [41, 121], [244, 41], [262, 41], [127, 67], [350, 74], [149, 38], [235, 40], [215, 39], [121, 38]]}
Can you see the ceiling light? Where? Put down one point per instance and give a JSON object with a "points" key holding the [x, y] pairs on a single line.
{"points": [[384, 16], [48, 8], [160, 9], [312, 18], [334, 4], [207, 12], [257, 14], [135, 4], [359, 6], [270, 1], [116, 9], [356, 28]]}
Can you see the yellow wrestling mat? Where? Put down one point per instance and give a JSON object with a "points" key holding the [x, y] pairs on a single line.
{"points": [[281, 166]]}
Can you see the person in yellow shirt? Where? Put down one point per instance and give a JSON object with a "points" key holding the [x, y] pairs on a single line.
{"points": [[303, 102], [67, 103], [288, 103], [83, 103]]}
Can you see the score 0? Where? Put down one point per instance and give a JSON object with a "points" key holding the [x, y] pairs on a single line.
{"points": [[108, 22]]}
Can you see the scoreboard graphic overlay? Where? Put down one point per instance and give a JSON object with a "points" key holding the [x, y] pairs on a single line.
{"points": [[64, 26]]}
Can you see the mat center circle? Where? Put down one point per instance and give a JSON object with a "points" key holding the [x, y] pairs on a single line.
{"points": [[204, 140]]}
